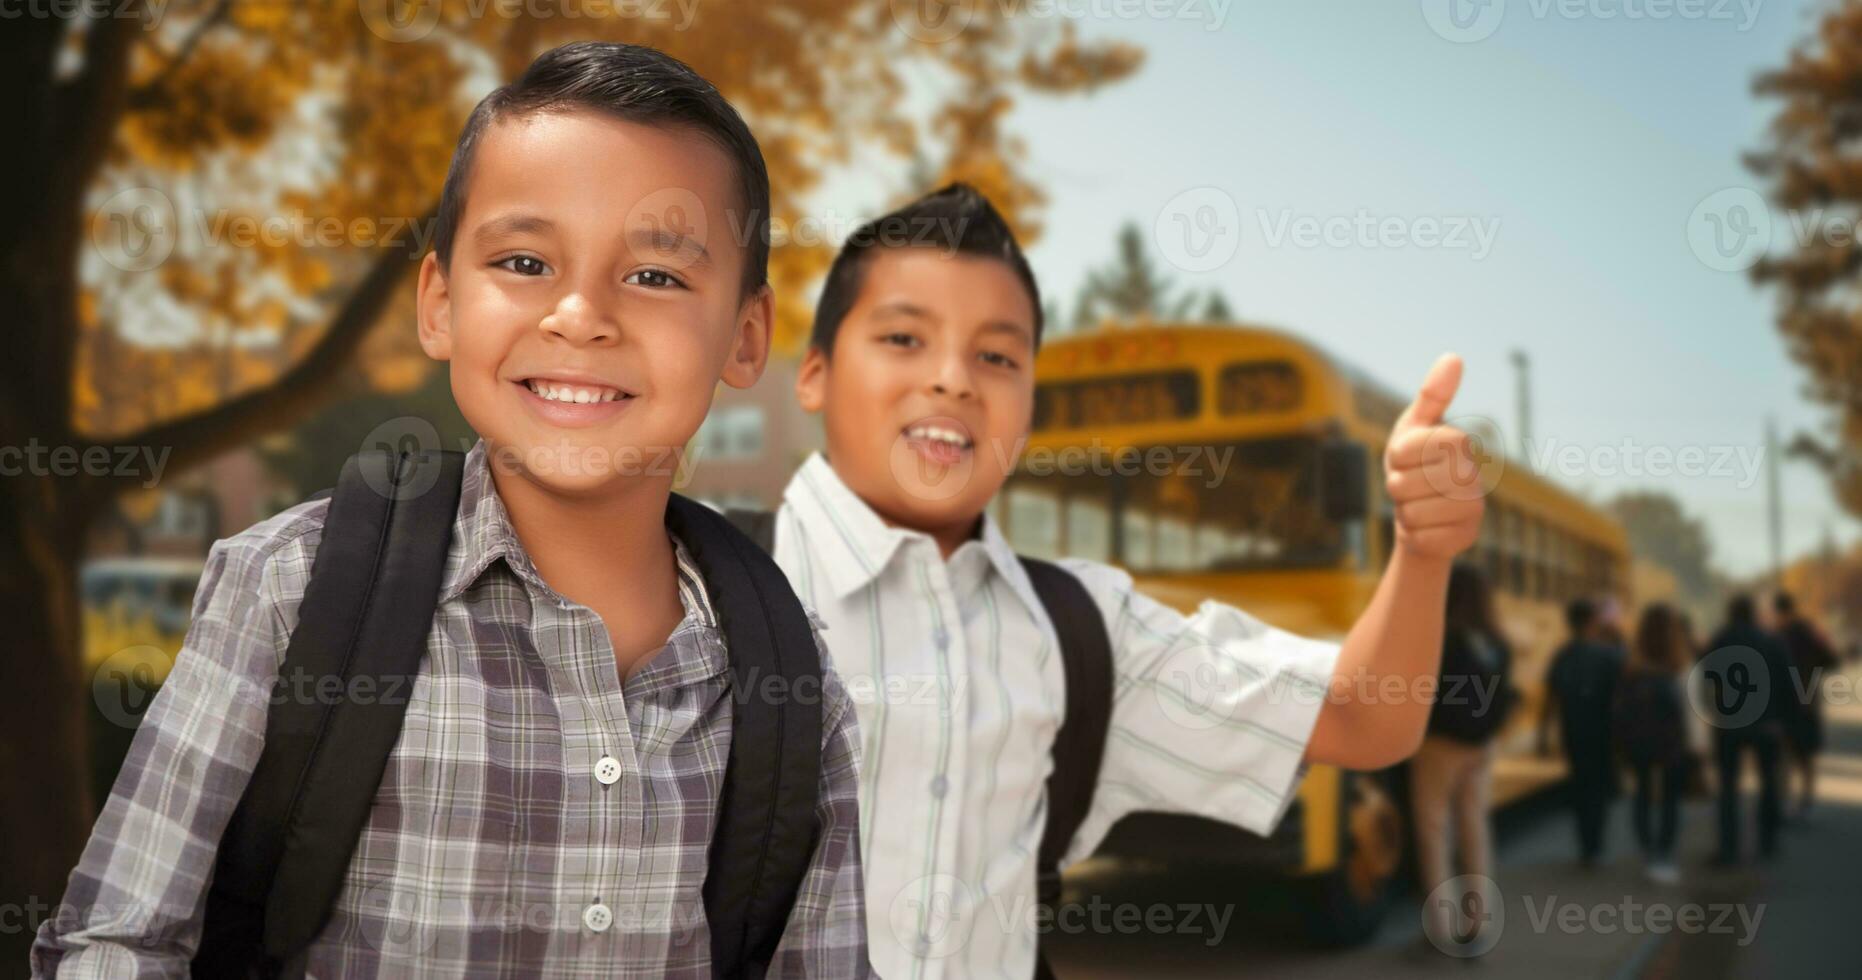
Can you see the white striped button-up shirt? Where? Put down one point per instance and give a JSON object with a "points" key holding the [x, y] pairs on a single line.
{"points": [[955, 674]]}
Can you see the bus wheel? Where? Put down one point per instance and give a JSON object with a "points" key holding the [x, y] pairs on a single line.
{"points": [[1348, 903]]}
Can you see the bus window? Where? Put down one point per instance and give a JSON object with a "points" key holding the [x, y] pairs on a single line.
{"points": [[1259, 509], [1089, 530], [1137, 525], [1173, 545], [1034, 522]]}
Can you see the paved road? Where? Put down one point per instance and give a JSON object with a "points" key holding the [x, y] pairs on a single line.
{"points": [[1800, 916]]}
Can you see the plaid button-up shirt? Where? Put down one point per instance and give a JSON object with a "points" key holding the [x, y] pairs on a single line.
{"points": [[538, 816]]}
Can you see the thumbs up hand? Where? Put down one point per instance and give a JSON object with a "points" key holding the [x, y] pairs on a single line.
{"points": [[1431, 473]]}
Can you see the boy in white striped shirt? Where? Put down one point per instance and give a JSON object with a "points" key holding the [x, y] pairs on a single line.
{"points": [[922, 363]]}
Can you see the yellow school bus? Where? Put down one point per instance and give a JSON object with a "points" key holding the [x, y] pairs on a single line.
{"points": [[1295, 529]]}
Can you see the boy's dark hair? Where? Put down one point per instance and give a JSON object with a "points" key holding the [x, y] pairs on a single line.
{"points": [[1579, 614], [630, 82], [955, 219], [1740, 609], [1783, 604]]}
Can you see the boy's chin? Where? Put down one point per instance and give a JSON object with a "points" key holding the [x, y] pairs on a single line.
{"points": [[576, 468]]}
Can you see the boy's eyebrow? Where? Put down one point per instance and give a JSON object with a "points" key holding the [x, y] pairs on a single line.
{"points": [[512, 224], [1020, 332], [904, 307], [669, 244]]}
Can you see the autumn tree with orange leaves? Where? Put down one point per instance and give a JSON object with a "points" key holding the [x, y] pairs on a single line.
{"points": [[1814, 166], [151, 139]]}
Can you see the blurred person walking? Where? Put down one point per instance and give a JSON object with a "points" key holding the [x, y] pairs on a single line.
{"points": [[1748, 697], [1812, 657], [1650, 721], [1580, 687], [1451, 775]]}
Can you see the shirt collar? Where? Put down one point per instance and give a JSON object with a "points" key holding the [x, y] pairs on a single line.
{"points": [[856, 545], [482, 534]]}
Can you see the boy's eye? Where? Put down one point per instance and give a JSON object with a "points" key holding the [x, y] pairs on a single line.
{"points": [[900, 338], [999, 360], [653, 278], [524, 265]]}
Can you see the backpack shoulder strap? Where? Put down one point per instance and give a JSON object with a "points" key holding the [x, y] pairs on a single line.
{"points": [[364, 617], [767, 825], [757, 525], [1086, 660]]}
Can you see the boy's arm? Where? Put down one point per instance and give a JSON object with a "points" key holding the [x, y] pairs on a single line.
{"points": [[826, 932], [1434, 481], [134, 904]]}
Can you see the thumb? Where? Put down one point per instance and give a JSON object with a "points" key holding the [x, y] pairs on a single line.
{"points": [[1438, 389]]}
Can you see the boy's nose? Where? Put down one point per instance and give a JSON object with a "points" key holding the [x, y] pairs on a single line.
{"points": [[579, 321], [953, 378]]}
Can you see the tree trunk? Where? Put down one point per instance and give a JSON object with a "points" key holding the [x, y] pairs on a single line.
{"points": [[45, 762]]}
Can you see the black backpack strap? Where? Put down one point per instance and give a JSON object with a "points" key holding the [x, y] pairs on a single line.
{"points": [[757, 525], [365, 614], [1086, 661], [767, 825]]}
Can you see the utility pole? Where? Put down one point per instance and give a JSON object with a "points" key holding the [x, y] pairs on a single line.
{"points": [[1523, 386], [1774, 514]]}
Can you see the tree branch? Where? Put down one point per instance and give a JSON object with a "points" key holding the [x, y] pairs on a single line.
{"points": [[203, 435], [91, 102]]}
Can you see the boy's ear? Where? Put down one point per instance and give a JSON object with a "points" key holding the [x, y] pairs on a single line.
{"points": [[811, 380], [750, 347], [433, 308]]}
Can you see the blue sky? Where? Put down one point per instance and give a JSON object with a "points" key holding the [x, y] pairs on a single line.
{"points": [[1581, 136]]}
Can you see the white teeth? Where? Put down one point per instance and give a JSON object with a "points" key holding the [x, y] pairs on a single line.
{"points": [[570, 393], [938, 433]]}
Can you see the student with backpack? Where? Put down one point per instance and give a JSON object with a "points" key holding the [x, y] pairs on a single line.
{"points": [[1580, 687], [510, 713], [1451, 777], [1011, 710], [1650, 721]]}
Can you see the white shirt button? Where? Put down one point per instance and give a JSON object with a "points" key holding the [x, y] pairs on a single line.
{"points": [[608, 770], [597, 917], [940, 786]]}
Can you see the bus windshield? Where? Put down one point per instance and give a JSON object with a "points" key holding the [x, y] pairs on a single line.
{"points": [[1177, 509]]}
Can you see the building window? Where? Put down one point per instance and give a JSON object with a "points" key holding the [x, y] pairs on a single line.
{"points": [[733, 432]]}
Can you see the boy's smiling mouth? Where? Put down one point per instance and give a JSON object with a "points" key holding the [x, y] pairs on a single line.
{"points": [[573, 399], [940, 440]]}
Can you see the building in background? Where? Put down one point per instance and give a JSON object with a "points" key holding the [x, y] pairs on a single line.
{"points": [[751, 443]]}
